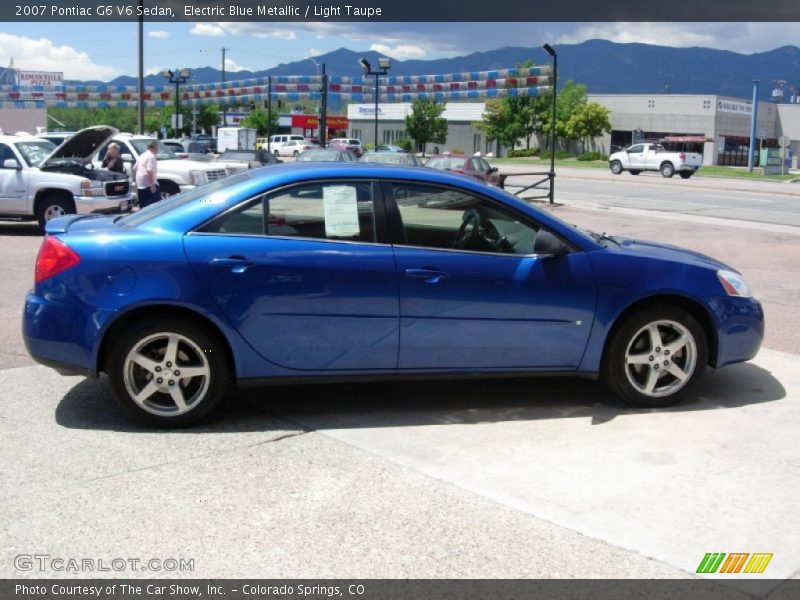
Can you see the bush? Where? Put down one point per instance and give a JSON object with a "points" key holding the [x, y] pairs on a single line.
{"points": [[560, 154], [593, 156], [404, 143], [523, 152], [369, 147]]}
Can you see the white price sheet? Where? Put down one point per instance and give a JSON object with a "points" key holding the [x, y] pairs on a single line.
{"points": [[341, 211]]}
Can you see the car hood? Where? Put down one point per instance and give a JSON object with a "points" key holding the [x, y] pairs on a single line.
{"points": [[83, 145], [667, 252]]}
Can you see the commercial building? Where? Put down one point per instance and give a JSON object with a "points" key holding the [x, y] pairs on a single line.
{"points": [[461, 131]]}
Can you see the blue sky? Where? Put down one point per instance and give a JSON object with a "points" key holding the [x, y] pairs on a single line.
{"points": [[107, 50]]}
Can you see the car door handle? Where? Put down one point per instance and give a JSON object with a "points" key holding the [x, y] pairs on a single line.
{"points": [[429, 275], [236, 264]]}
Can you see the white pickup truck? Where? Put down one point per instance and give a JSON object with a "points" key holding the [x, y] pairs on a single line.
{"points": [[41, 181], [654, 157], [175, 174]]}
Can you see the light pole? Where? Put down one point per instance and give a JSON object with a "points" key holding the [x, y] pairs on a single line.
{"points": [[383, 68], [549, 49], [322, 129], [178, 76], [753, 123]]}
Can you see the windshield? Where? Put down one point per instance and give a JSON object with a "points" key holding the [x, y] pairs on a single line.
{"points": [[193, 195], [445, 162], [35, 152], [164, 151], [390, 158]]}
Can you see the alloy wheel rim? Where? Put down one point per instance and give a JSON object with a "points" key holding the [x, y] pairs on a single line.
{"points": [[166, 374], [660, 358], [53, 212]]}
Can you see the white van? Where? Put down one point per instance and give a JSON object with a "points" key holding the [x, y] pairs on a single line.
{"points": [[276, 141]]}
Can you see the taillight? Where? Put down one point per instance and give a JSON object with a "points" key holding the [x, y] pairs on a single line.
{"points": [[682, 156], [53, 258]]}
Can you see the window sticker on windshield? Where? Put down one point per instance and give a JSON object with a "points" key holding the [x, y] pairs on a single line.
{"points": [[341, 211]]}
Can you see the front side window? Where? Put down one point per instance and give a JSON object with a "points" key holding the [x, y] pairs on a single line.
{"points": [[638, 149], [327, 210], [35, 152], [445, 218]]}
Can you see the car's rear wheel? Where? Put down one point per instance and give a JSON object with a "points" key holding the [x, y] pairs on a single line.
{"points": [[685, 174], [295, 153], [667, 170], [616, 167], [276, 153], [53, 207], [168, 373], [655, 357]]}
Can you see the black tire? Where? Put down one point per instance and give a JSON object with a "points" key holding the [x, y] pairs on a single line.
{"points": [[195, 349], [616, 167], [685, 174], [168, 188], [667, 170], [276, 153], [631, 374], [634, 172], [51, 207], [295, 154]]}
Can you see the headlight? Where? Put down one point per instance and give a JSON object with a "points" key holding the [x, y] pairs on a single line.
{"points": [[734, 284], [92, 188], [198, 177]]}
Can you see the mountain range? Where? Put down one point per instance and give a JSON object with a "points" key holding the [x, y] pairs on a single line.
{"points": [[605, 67]]}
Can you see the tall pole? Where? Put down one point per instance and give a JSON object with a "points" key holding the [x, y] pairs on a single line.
{"points": [[323, 113], [177, 107], [224, 112], [141, 68], [753, 122], [549, 49], [269, 113], [376, 112]]}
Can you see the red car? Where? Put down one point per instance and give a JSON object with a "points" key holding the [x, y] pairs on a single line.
{"points": [[351, 144], [474, 166]]}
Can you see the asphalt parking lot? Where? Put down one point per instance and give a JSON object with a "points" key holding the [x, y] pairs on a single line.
{"points": [[498, 479]]}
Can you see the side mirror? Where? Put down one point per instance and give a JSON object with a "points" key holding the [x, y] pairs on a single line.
{"points": [[12, 163], [493, 170], [126, 157], [548, 244]]}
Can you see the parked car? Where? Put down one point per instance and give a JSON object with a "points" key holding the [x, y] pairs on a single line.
{"points": [[654, 157], [389, 148], [392, 158], [275, 142], [294, 147], [351, 144], [472, 166], [208, 141], [57, 137], [327, 155], [174, 173], [311, 272], [237, 160], [39, 181]]}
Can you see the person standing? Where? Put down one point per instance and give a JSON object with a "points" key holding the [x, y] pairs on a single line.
{"points": [[113, 161], [146, 175]]}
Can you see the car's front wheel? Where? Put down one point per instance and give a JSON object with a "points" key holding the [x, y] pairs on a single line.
{"points": [[655, 357], [53, 207], [168, 373], [685, 174]]}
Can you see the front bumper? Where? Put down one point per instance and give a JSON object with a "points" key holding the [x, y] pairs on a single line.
{"points": [[85, 205], [740, 328]]}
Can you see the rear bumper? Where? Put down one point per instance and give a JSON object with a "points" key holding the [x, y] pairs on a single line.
{"points": [[60, 333]]}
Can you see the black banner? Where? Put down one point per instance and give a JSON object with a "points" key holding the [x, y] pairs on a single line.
{"points": [[380, 589], [399, 10]]}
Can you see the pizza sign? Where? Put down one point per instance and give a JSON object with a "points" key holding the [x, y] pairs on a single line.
{"points": [[39, 78]]}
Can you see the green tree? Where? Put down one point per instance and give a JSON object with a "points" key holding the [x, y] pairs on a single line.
{"points": [[426, 124], [570, 98], [262, 121], [500, 123], [588, 121]]}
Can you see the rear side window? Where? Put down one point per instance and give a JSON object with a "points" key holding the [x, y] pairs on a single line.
{"points": [[328, 210]]}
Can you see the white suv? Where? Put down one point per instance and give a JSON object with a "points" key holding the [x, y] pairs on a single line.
{"points": [[277, 141], [41, 181], [175, 174]]}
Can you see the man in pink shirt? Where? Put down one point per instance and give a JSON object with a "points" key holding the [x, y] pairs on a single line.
{"points": [[146, 173]]}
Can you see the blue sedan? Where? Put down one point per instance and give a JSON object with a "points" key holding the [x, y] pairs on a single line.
{"points": [[333, 271]]}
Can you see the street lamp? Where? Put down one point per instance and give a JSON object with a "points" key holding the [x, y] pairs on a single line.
{"points": [[178, 76], [383, 68], [549, 49]]}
